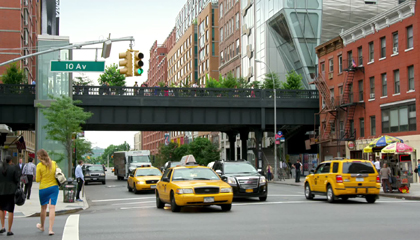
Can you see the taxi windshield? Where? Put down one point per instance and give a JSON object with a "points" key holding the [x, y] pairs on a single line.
{"points": [[239, 168], [188, 174], [148, 172]]}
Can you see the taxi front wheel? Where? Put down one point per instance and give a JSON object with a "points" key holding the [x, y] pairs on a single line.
{"points": [[174, 207], [226, 207], [159, 203]]}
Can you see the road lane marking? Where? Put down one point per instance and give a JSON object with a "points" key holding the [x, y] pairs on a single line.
{"points": [[121, 199], [265, 203], [126, 208], [71, 229], [133, 203], [300, 195]]}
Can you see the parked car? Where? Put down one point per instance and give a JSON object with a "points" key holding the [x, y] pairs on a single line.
{"points": [[93, 173]]}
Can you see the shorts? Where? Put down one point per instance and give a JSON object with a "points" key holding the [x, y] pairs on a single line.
{"points": [[7, 203], [47, 194]]}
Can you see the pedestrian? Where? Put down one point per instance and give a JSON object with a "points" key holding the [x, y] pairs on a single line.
{"points": [[30, 171], [9, 181], [80, 179], [21, 165], [48, 189], [135, 88], [166, 91], [377, 165], [385, 174], [298, 167], [269, 172]]}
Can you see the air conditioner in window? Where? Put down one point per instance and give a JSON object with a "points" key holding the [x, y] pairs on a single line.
{"points": [[330, 75], [395, 50], [372, 96]]}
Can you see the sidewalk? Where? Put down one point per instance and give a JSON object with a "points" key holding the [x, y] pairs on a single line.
{"points": [[32, 207], [413, 195]]}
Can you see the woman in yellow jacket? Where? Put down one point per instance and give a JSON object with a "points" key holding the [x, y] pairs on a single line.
{"points": [[48, 188]]}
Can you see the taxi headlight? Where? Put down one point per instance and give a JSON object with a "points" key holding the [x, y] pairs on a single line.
{"points": [[184, 190], [231, 180], [140, 182], [226, 190], [262, 180]]}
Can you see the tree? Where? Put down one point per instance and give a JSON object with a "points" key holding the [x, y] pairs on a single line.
{"points": [[109, 151], [293, 81], [203, 151], [82, 80], [229, 81], [166, 153], [64, 120], [14, 75], [268, 81], [83, 147], [212, 83], [112, 76]]}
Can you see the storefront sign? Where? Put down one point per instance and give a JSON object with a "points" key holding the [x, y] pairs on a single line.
{"points": [[351, 145]]}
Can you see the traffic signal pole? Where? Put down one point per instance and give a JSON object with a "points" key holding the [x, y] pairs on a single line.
{"points": [[71, 46]]}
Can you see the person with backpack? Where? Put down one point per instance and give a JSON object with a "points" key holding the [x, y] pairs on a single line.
{"points": [[9, 181]]}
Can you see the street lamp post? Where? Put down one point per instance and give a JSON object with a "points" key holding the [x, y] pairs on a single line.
{"points": [[275, 119]]}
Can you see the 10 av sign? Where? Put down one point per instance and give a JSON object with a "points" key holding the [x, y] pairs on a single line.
{"points": [[77, 66]]}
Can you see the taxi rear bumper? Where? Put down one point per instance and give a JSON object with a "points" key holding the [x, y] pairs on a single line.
{"points": [[198, 199]]}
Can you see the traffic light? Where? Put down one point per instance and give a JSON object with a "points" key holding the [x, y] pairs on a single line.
{"points": [[127, 64], [138, 63]]}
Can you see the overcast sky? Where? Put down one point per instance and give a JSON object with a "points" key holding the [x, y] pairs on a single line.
{"points": [[145, 20]]}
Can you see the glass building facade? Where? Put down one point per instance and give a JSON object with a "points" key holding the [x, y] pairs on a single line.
{"points": [[284, 33]]}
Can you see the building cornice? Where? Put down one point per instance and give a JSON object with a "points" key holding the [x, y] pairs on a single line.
{"points": [[397, 14]]}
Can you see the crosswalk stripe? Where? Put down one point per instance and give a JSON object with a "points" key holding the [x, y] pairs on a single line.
{"points": [[71, 229], [133, 203], [121, 199]]}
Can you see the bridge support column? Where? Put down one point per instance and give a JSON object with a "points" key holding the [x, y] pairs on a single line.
{"points": [[244, 148], [232, 148], [258, 138]]}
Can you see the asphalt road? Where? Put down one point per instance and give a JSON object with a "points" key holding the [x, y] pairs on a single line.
{"points": [[115, 213]]}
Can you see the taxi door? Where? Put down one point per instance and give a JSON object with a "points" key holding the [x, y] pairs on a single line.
{"points": [[321, 177], [316, 178], [130, 178], [163, 187]]}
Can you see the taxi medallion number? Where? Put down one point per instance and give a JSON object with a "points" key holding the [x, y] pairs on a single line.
{"points": [[208, 199], [249, 190]]}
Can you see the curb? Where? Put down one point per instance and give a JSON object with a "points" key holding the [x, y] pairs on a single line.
{"points": [[58, 213], [285, 183]]}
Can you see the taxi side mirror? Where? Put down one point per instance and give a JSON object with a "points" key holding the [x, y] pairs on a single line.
{"points": [[165, 179], [312, 171], [219, 172]]}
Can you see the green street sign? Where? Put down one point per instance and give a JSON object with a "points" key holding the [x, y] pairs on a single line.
{"points": [[77, 66]]}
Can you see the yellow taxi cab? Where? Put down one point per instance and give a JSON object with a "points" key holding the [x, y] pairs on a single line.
{"points": [[189, 184], [344, 179], [143, 179]]}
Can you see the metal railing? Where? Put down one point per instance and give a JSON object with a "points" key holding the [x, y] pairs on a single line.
{"points": [[113, 91]]}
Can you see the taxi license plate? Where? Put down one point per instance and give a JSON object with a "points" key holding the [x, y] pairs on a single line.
{"points": [[208, 199], [152, 186], [249, 190], [94, 179], [360, 179]]}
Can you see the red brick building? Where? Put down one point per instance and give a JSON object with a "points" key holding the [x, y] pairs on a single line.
{"points": [[19, 28], [368, 80], [230, 37], [158, 72]]}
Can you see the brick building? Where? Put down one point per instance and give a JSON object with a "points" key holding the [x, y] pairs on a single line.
{"points": [[158, 72], [230, 37], [367, 80], [19, 28]]}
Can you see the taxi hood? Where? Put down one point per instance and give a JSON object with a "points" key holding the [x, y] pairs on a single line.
{"points": [[145, 178], [201, 183]]}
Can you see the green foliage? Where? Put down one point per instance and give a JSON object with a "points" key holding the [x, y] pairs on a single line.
{"points": [[229, 82], [201, 148], [13, 75], [161, 84], [56, 156], [82, 80], [112, 76], [293, 81], [268, 81], [255, 84], [64, 120], [83, 147], [212, 83], [110, 151]]}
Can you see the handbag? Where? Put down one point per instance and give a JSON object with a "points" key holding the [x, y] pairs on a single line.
{"points": [[59, 176], [20, 197], [23, 177]]}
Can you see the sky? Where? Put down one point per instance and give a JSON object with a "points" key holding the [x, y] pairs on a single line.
{"points": [[90, 20]]}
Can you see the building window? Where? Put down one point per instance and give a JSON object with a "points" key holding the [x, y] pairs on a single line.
{"points": [[372, 87], [237, 46], [395, 42], [331, 64], [351, 133], [360, 56], [399, 119], [384, 85], [409, 37], [396, 81], [237, 21], [361, 90], [340, 64], [372, 126], [26, 37], [26, 17], [340, 90], [351, 92], [341, 129], [371, 52], [221, 10], [238, 72], [362, 127], [383, 47], [221, 34], [213, 49], [349, 59], [323, 67], [410, 77]]}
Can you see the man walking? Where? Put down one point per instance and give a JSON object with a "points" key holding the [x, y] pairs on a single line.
{"points": [[29, 170], [21, 165], [377, 165], [80, 180], [298, 167]]}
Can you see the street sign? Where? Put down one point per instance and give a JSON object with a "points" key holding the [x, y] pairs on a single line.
{"points": [[77, 66]]}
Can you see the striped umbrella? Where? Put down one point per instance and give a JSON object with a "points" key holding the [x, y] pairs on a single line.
{"points": [[382, 141], [397, 148]]}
